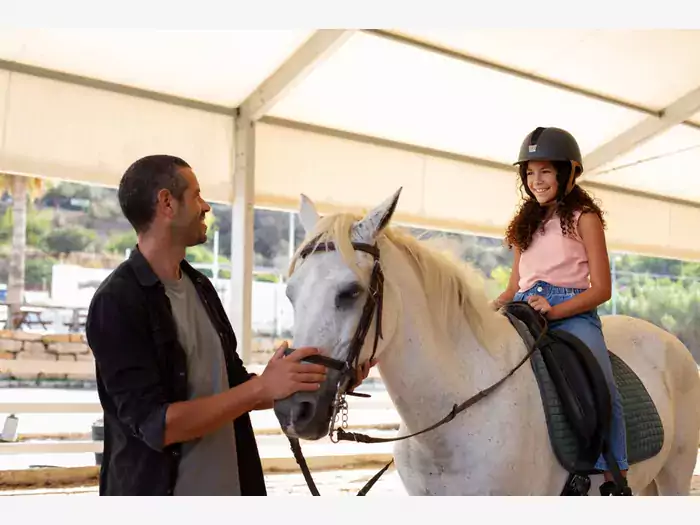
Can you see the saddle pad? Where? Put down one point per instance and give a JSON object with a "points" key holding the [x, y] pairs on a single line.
{"points": [[645, 433]]}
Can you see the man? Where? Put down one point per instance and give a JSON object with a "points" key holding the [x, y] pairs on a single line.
{"points": [[175, 394]]}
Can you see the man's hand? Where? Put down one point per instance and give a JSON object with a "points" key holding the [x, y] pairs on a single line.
{"points": [[362, 373], [285, 375]]}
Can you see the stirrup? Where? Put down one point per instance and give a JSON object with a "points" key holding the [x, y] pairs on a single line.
{"points": [[610, 488], [577, 485]]}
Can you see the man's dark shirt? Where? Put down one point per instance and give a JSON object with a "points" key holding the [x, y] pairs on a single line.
{"points": [[141, 368]]}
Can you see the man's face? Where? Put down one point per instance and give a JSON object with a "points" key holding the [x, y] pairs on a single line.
{"points": [[187, 218]]}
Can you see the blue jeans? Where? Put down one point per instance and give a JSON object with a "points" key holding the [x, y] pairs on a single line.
{"points": [[588, 328]]}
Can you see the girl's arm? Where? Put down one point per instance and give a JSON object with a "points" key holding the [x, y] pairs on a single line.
{"points": [[591, 232], [512, 288]]}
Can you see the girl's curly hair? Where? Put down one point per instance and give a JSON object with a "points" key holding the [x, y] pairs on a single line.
{"points": [[530, 215]]}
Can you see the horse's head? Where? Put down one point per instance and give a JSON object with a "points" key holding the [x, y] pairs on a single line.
{"points": [[336, 290]]}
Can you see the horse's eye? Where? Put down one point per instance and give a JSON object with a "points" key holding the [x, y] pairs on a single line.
{"points": [[348, 295]]}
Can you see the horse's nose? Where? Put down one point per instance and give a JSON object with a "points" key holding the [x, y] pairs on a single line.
{"points": [[304, 413]]}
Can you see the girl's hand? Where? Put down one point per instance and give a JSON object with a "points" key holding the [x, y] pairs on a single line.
{"points": [[362, 373], [540, 304]]}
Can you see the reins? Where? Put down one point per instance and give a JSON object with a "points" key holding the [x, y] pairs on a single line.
{"points": [[346, 367]]}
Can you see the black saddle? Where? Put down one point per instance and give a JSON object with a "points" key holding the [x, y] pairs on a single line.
{"points": [[578, 379], [577, 401]]}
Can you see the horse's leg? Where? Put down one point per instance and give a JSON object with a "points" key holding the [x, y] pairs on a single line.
{"points": [[676, 475], [650, 490]]}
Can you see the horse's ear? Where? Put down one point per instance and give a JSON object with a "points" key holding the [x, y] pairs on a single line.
{"points": [[308, 214], [368, 228]]}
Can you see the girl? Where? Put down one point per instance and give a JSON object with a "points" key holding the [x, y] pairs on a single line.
{"points": [[561, 263]]}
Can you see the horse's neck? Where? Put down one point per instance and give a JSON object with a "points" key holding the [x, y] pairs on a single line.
{"points": [[425, 370]]}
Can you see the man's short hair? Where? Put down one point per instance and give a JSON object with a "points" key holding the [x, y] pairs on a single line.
{"points": [[140, 184]]}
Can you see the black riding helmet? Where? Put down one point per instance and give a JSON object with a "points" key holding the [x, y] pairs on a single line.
{"points": [[557, 146]]}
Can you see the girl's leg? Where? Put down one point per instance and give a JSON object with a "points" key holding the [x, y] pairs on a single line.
{"points": [[587, 327]]}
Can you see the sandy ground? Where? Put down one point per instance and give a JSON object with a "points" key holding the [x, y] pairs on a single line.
{"points": [[365, 412], [334, 483]]}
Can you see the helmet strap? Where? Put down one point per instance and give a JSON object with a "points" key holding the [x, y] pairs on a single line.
{"points": [[571, 182]]}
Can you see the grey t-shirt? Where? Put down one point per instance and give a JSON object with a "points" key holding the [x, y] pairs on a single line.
{"points": [[209, 466]]}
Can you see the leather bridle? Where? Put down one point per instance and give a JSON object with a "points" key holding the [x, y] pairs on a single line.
{"points": [[374, 302], [348, 368]]}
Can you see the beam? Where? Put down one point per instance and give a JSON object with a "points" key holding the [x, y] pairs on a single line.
{"points": [[367, 139], [112, 87], [402, 38], [317, 48], [680, 110], [321, 45], [242, 238]]}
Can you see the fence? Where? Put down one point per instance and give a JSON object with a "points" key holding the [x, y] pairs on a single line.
{"points": [[377, 414]]}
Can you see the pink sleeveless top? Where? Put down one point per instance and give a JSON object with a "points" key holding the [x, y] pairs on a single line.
{"points": [[554, 258]]}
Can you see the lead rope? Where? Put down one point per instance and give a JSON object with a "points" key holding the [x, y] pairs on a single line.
{"points": [[301, 461]]}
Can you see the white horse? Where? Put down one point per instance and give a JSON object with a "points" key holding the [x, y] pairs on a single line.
{"points": [[441, 344]]}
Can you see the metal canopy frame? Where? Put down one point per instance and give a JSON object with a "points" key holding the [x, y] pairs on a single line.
{"points": [[676, 113], [319, 46]]}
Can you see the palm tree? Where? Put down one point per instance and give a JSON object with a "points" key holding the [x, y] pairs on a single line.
{"points": [[21, 188]]}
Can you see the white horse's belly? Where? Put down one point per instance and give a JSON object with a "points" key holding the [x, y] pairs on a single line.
{"points": [[497, 448], [477, 476]]}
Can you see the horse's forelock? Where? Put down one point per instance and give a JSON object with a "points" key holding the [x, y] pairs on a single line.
{"points": [[336, 229]]}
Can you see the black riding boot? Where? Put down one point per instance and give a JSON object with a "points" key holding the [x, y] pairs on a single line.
{"points": [[609, 488]]}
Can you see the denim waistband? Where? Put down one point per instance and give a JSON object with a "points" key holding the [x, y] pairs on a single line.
{"points": [[545, 287]]}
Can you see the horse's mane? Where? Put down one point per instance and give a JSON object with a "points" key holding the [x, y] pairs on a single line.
{"points": [[453, 288]]}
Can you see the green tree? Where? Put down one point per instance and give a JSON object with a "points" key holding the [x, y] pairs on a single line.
{"points": [[70, 239], [120, 242], [38, 271], [500, 276], [202, 255], [23, 190], [673, 305]]}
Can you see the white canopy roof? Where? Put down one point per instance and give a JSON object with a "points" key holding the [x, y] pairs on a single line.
{"points": [[348, 116]]}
